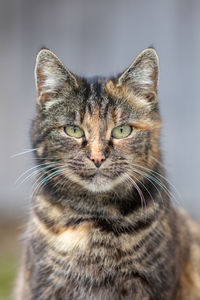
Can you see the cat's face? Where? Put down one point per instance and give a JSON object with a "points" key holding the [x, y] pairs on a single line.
{"points": [[93, 134]]}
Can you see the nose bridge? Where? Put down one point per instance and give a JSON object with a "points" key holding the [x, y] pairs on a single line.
{"points": [[95, 143], [96, 149]]}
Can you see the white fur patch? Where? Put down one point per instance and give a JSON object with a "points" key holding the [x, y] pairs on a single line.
{"points": [[52, 78], [143, 77], [50, 103]]}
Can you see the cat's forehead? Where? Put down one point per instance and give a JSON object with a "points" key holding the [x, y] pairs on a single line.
{"points": [[99, 105], [98, 96], [93, 102], [96, 99]]}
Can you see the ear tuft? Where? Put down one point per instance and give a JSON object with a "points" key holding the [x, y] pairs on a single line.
{"points": [[51, 76], [142, 76]]}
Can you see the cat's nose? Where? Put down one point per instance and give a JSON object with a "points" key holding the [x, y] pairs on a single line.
{"points": [[97, 158]]}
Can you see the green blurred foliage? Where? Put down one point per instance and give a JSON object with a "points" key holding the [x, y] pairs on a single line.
{"points": [[8, 269]]}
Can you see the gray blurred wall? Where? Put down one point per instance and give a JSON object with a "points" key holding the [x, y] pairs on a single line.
{"points": [[101, 37]]}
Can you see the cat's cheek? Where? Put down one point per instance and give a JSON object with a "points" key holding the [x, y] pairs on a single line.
{"points": [[72, 177], [123, 145]]}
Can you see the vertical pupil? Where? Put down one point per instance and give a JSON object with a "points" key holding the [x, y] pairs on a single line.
{"points": [[75, 128], [121, 129]]}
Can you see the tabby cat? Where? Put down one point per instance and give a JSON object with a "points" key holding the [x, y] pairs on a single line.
{"points": [[102, 224]]}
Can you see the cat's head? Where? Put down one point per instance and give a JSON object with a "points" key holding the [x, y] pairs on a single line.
{"points": [[93, 134]]}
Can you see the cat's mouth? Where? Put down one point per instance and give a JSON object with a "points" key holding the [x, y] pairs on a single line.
{"points": [[100, 181], [96, 176], [97, 181]]}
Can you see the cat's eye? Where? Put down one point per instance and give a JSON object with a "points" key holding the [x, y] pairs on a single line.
{"points": [[74, 131], [121, 131]]}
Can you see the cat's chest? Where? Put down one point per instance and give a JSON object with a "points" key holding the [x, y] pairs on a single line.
{"points": [[88, 249], [88, 252], [86, 258], [91, 260]]}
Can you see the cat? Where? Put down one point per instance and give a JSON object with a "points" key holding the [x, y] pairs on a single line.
{"points": [[102, 224]]}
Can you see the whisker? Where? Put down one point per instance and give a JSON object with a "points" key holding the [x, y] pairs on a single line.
{"points": [[37, 171], [45, 180], [62, 182], [147, 177], [156, 160], [35, 167], [163, 177], [24, 152], [145, 186], [58, 169], [44, 174], [158, 181], [147, 192], [138, 190]]}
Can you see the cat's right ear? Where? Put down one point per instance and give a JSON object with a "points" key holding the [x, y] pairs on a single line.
{"points": [[51, 76]]}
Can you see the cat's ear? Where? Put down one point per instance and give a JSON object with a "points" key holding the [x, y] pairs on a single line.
{"points": [[142, 76], [51, 76]]}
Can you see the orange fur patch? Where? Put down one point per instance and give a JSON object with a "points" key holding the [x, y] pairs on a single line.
{"points": [[66, 238], [125, 93]]}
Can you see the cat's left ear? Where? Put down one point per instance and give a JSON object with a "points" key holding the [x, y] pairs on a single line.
{"points": [[142, 76], [51, 76]]}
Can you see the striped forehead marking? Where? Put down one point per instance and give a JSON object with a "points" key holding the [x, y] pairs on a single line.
{"points": [[99, 110]]}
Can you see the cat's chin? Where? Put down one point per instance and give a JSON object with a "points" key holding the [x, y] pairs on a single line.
{"points": [[99, 187], [100, 184]]}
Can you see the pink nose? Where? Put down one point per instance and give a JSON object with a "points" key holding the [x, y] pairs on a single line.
{"points": [[97, 158]]}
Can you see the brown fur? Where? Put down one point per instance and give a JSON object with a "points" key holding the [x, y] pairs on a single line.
{"points": [[102, 224]]}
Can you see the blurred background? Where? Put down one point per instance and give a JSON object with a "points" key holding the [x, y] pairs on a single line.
{"points": [[95, 37]]}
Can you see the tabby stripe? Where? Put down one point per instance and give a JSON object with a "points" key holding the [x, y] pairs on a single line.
{"points": [[151, 251], [42, 137], [89, 107], [139, 256], [49, 223], [105, 225], [74, 163], [145, 239], [111, 227], [123, 253], [103, 113], [132, 202], [71, 275]]}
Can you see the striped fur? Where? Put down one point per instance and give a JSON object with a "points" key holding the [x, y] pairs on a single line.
{"points": [[109, 231]]}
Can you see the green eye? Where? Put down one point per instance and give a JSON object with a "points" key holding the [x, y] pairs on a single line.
{"points": [[74, 131], [121, 131]]}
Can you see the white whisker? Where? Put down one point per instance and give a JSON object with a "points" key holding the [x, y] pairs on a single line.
{"points": [[157, 180], [56, 171], [35, 167], [44, 180], [163, 177], [147, 177], [24, 152], [138, 190]]}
